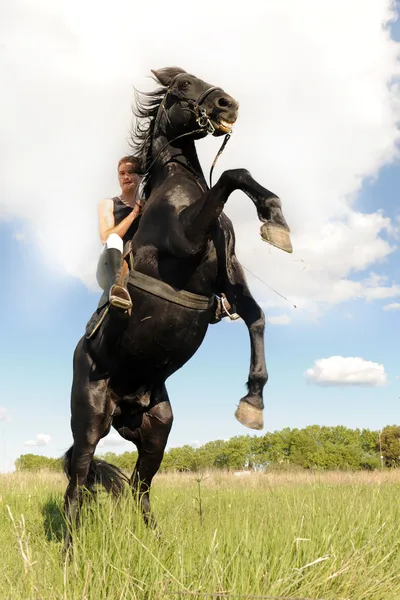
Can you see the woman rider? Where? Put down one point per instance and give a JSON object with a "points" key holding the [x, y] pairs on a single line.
{"points": [[116, 217]]}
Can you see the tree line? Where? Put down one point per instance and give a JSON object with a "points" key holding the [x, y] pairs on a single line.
{"points": [[313, 447]]}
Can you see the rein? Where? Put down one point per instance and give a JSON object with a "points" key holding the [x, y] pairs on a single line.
{"points": [[220, 151], [204, 123]]}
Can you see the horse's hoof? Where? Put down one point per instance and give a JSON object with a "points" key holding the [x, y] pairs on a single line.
{"points": [[249, 416], [276, 236]]}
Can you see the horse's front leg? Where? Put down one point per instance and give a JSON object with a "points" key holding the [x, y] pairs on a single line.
{"points": [[274, 230], [232, 281]]}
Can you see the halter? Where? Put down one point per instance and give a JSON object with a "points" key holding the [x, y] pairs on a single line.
{"points": [[202, 119]]}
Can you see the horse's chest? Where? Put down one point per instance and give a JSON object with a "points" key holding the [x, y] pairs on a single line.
{"points": [[209, 265]]}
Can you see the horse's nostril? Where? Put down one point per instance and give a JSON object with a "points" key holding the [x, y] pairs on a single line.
{"points": [[223, 102]]}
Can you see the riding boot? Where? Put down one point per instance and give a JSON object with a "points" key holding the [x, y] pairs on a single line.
{"points": [[118, 295]]}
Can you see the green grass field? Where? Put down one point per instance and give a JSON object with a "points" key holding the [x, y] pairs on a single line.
{"points": [[331, 536]]}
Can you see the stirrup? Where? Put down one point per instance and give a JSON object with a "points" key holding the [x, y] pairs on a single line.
{"points": [[119, 297], [226, 306]]}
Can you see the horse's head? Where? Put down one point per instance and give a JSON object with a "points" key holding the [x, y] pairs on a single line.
{"points": [[191, 104]]}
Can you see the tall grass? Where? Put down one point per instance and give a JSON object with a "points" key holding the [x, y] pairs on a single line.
{"points": [[331, 536]]}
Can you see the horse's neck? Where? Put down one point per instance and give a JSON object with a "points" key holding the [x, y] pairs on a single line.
{"points": [[183, 153]]}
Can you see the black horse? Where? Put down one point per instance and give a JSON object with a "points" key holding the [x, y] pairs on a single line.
{"points": [[183, 255]]}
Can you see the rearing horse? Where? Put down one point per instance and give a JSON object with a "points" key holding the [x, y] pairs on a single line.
{"points": [[183, 254]]}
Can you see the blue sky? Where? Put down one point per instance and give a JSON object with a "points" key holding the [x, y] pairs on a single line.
{"points": [[43, 311]]}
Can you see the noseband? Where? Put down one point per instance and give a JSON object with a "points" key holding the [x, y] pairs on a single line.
{"points": [[202, 119]]}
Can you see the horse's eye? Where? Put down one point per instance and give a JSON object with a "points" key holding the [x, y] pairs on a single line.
{"points": [[185, 84]]}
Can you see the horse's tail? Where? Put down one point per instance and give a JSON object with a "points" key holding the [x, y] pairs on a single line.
{"points": [[100, 472]]}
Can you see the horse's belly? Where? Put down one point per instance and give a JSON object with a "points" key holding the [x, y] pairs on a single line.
{"points": [[160, 342]]}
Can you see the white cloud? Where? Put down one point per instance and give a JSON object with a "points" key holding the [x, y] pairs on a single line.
{"points": [[318, 116], [114, 440], [4, 414], [195, 444], [42, 439], [19, 236], [347, 371], [279, 320], [394, 306]]}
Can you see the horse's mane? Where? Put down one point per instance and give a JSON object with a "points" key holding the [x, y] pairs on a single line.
{"points": [[145, 109]]}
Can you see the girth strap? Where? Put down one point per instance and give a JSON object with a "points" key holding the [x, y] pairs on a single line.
{"points": [[167, 292]]}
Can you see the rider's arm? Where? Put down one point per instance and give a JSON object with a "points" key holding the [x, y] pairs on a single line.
{"points": [[107, 222]]}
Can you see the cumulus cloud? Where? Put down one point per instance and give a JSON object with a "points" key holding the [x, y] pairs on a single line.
{"points": [[4, 414], [19, 236], [195, 444], [42, 439], [279, 320], [114, 440], [318, 116], [393, 306], [346, 371]]}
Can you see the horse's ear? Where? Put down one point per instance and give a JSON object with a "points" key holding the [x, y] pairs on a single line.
{"points": [[167, 75]]}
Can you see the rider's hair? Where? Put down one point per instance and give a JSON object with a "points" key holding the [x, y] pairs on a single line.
{"points": [[130, 159]]}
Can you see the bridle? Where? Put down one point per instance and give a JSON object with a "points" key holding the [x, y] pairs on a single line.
{"points": [[202, 119]]}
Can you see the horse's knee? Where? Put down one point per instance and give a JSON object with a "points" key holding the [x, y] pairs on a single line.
{"points": [[234, 177], [258, 326], [155, 429], [162, 412]]}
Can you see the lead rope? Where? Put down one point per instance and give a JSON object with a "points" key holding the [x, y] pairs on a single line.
{"points": [[269, 286]]}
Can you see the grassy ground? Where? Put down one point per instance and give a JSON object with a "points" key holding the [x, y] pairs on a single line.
{"points": [[330, 536]]}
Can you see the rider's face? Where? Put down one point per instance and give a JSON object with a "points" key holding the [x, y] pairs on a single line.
{"points": [[127, 177]]}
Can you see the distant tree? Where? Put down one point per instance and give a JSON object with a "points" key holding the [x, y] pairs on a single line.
{"points": [[275, 447], [237, 452], [369, 441], [126, 460], [313, 447], [180, 459], [212, 455], [36, 462], [390, 445]]}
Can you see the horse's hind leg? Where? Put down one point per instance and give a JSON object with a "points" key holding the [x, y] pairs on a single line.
{"points": [[151, 439], [91, 415]]}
